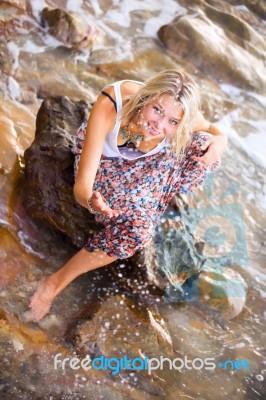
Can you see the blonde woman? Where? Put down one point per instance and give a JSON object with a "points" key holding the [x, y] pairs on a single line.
{"points": [[142, 143]]}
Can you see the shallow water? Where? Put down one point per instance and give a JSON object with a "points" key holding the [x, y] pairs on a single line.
{"points": [[38, 65]]}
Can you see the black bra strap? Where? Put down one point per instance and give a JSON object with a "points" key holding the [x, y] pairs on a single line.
{"points": [[110, 97]]}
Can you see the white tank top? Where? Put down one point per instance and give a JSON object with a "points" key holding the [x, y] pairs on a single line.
{"points": [[110, 148]]}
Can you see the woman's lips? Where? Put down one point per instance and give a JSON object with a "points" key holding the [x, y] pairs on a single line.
{"points": [[152, 131]]}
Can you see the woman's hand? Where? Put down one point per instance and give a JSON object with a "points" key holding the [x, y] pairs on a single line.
{"points": [[215, 147], [99, 204]]}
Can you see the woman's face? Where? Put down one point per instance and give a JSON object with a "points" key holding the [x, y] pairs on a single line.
{"points": [[161, 117]]}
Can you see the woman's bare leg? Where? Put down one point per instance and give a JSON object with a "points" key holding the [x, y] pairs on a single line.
{"points": [[51, 285]]}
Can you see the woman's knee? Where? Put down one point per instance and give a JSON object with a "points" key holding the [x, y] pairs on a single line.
{"points": [[132, 232]]}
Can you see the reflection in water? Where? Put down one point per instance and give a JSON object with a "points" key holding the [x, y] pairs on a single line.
{"points": [[35, 64]]}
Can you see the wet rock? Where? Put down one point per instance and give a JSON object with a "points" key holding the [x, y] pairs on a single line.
{"points": [[258, 7], [12, 264], [219, 44], [6, 60], [10, 11], [220, 292], [15, 137], [175, 263], [173, 256], [49, 175], [106, 333], [8, 27], [14, 4], [223, 290], [50, 86], [28, 364], [69, 28]]}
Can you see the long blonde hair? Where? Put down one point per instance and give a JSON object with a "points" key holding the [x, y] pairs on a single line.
{"points": [[183, 89]]}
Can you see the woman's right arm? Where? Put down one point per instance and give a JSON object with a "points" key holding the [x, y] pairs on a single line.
{"points": [[100, 122]]}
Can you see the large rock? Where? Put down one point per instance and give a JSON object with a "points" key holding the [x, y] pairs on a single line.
{"points": [[223, 290], [6, 58], [49, 173], [19, 4], [69, 28], [176, 264], [173, 255], [220, 44], [256, 6]]}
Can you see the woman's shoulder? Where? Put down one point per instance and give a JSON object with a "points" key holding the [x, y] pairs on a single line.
{"points": [[130, 87], [127, 88]]}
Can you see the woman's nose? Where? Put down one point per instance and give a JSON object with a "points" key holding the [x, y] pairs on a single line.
{"points": [[159, 122]]}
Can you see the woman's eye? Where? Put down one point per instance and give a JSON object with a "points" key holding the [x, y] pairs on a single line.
{"points": [[173, 122], [157, 110]]}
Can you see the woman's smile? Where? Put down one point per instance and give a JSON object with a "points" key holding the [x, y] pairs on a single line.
{"points": [[152, 131], [161, 117]]}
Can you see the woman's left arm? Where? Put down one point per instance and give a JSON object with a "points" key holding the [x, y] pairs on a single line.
{"points": [[214, 146]]}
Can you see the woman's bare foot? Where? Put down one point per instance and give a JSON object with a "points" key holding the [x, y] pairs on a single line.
{"points": [[42, 299]]}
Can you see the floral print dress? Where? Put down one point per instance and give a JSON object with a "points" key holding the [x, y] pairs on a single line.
{"points": [[141, 189]]}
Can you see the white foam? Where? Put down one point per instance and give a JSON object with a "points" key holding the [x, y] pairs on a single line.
{"points": [[13, 88], [25, 242], [34, 24], [257, 141], [241, 7], [254, 144], [111, 32], [121, 14], [167, 11], [261, 197], [230, 89], [30, 47], [37, 6], [96, 7], [18, 346], [49, 42], [83, 56], [238, 346], [238, 94], [14, 51], [75, 6], [117, 17], [255, 272]]}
